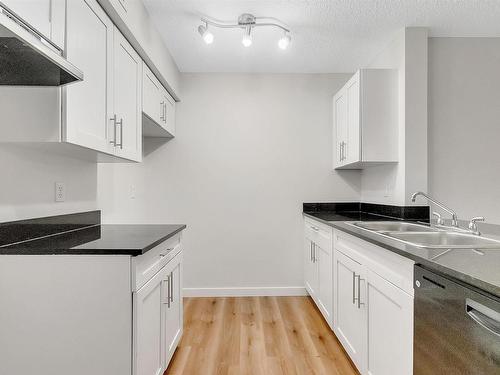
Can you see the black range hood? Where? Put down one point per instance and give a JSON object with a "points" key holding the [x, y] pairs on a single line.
{"points": [[28, 59]]}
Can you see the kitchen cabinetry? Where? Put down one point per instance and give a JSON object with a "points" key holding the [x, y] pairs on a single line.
{"points": [[102, 112], [173, 311], [87, 108], [365, 117], [158, 318], [318, 266], [350, 319], [390, 327], [47, 17], [373, 299], [91, 314], [126, 128], [158, 107]]}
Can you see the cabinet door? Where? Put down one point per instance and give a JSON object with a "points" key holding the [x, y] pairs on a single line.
{"points": [[89, 45], [169, 113], [152, 105], [325, 292], [350, 312], [126, 130], [341, 123], [353, 140], [38, 14], [149, 302], [310, 269], [174, 310], [390, 328]]}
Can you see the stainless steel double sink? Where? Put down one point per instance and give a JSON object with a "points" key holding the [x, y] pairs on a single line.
{"points": [[423, 236]]}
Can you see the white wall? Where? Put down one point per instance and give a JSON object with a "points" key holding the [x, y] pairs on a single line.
{"points": [[394, 184], [28, 177], [464, 125], [249, 150]]}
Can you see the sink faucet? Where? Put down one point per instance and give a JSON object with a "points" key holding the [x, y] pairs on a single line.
{"points": [[454, 217]]}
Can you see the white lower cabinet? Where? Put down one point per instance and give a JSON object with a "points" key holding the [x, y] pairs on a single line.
{"points": [[148, 307], [390, 328], [173, 311], [350, 317], [310, 268], [365, 293], [318, 266], [158, 315], [373, 306]]}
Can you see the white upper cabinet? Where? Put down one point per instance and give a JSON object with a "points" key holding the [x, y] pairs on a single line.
{"points": [[45, 16], [152, 105], [158, 107], [169, 114], [103, 112], [125, 126], [365, 120], [89, 45]]}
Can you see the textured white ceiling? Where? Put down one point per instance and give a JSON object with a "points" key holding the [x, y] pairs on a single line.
{"points": [[327, 35]]}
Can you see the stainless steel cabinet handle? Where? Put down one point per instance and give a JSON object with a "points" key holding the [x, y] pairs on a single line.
{"points": [[314, 253], [121, 133], [353, 287], [359, 292], [162, 105], [113, 142], [345, 150], [311, 251], [168, 292], [171, 294], [484, 316], [165, 113]]}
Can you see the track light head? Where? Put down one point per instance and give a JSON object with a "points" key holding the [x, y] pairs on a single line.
{"points": [[207, 36], [247, 37], [284, 41]]}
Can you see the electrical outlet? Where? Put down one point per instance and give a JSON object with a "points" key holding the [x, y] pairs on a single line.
{"points": [[60, 192]]}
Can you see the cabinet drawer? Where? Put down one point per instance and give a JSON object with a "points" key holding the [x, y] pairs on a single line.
{"points": [[145, 266], [319, 233]]}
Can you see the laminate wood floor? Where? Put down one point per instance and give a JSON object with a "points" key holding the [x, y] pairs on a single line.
{"points": [[257, 336]]}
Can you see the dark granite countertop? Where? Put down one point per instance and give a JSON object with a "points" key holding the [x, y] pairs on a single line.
{"points": [[478, 268], [130, 240]]}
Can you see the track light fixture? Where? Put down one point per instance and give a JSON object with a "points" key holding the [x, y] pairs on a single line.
{"points": [[246, 22], [207, 36]]}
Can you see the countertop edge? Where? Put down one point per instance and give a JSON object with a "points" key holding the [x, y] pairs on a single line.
{"points": [[63, 250], [163, 239], [479, 285]]}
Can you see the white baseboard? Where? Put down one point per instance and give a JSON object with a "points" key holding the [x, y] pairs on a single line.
{"points": [[246, 292]]}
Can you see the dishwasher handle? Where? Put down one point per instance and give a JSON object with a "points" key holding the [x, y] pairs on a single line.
{"points": [[487, 318]]}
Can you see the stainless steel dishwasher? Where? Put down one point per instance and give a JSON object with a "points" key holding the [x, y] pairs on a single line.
{"points": [[457, 328]]}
